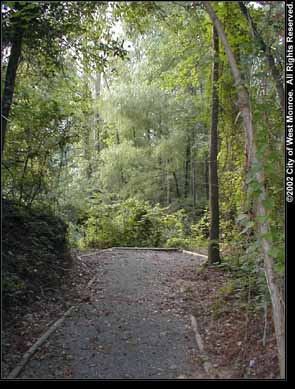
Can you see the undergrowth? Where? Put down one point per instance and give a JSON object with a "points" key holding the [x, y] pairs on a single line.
{"points": [[34, 252]]}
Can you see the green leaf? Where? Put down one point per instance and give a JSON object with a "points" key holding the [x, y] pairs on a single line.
{"points": [[249, 225], [268, 203], [277, 253], [263, 219], [242, 217], [255, 188], [280, 268], [268, 236]]}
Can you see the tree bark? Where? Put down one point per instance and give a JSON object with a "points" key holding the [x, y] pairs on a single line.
{"points": [[187, 169], [96, 132], [117, 136], [168, 198], [10, 83], [213, 247], [269, 57], [194, 192], [244, 105], [21, 190], [176, 185], [206, 177]]}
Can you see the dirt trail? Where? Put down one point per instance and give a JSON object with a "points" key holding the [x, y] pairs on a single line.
{"points": [[131, 326]]}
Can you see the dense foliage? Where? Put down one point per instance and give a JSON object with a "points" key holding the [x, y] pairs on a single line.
{"points": [[138, 129], [35, 253]]}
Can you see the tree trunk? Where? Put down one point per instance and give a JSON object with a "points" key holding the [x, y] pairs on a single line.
{"points": [[194, 192], [21, 190], [206, 175], [187, 169], [10, 83], [269, 57], [168, 185], [244, 105], [117, 136], [176, 185], [97, 85], [38, 187], [213, 247]]}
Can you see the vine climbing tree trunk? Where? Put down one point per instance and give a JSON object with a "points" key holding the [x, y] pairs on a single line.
{"points": [[268, 55], [213, 247], [263, 226]]}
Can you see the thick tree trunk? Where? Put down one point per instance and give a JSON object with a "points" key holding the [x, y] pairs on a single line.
{"points": [[244, 105], [213, 247], [269, 57], [10, 83]]}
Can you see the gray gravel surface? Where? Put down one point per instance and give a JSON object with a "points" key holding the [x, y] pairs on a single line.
{"points": [[133, 325]]}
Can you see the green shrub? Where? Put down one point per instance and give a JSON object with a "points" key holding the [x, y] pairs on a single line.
{"points": [[12, 284], [200, 230], [183, 243], [245, 263], [131, 223]]}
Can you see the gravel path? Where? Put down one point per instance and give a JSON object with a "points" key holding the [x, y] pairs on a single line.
{"points": [[133, 324]]}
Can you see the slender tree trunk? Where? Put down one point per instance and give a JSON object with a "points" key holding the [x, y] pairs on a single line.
{"points": [[38, 187], [97, 84], [193, 175], [213, 247], [10, 83], [168, 185], [23, 175], [206, 175], [117, 136], [61, 162], [244, 105], [194, 192], [176, 185], [269, 57], [187, 169]]}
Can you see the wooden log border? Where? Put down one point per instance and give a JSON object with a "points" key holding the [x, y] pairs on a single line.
{"points": [[207, 365], [145, 248], [194, 253], [27, 356]]}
